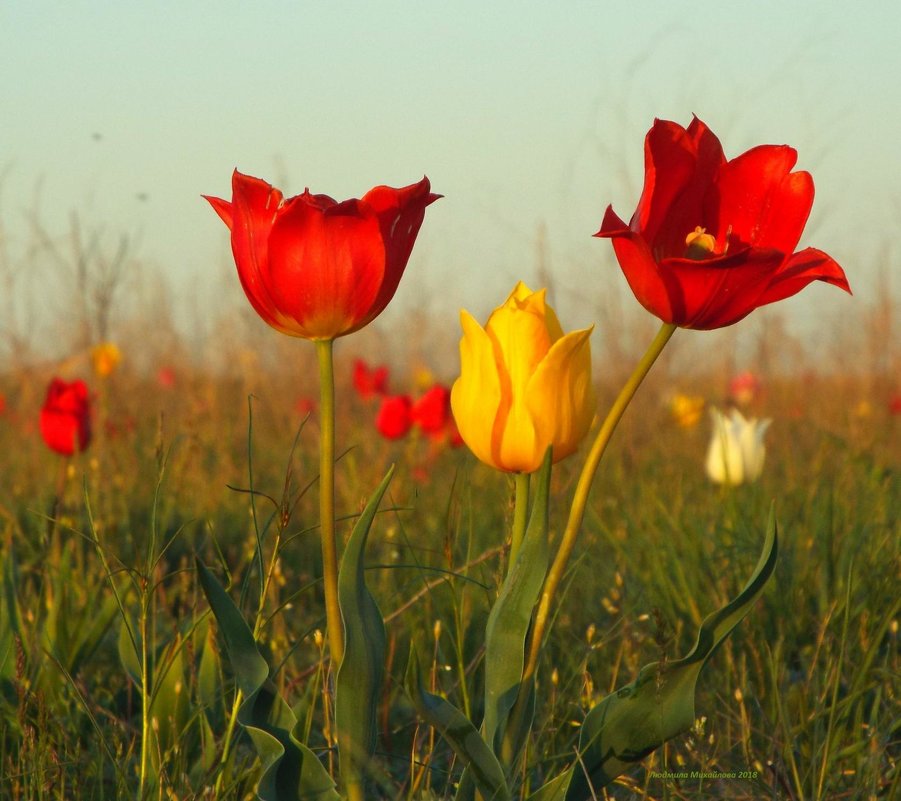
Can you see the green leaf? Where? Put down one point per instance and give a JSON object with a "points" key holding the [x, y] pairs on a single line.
{"points": [[291, 772], [481, 763], [169, 707], [129, 655], [358, 682], [555, 789], [660, 704], [10, 616], [509, 621], [209, 689]]}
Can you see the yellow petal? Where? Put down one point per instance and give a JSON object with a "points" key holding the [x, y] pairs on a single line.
{"points": [[524, 298], [476, 394], [520, 335], [560, 395], [519, 450]]}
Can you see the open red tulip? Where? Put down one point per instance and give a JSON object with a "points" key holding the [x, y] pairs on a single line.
{"points": [[316, 268], [712, 240]]}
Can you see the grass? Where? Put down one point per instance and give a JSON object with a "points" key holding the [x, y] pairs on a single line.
{"points": [[802, 701]]}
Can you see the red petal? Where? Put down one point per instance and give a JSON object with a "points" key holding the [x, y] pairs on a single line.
{"points": [[400, 213], [222, 207], [798, 271], [637, 263], [718, 292], [325, 268], [763, 202], [255, 205], [669, 164]]}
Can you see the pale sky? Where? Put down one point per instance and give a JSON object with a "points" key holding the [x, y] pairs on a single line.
{"points": [[524, 115]]}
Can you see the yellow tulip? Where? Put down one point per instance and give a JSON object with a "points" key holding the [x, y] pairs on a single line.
{"points": [[105, 358], [523, 385], [686, 409]]}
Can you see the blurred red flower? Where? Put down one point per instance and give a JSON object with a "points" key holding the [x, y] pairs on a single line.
{"points": [[165, 377], [393, 418], [370, 381], [304, 406], [744, 388], [316, 268], [66, 417], [2, 403], [894, 405], [431, 412], [454, 438], [711, 240]]}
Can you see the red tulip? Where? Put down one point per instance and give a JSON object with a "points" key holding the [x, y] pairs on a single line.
{"points": [[393, 418], [431, 412], [711, 240], [66, 417], [744, 388], [370, 381], [165, 377], [316, 268], [304, 406]]}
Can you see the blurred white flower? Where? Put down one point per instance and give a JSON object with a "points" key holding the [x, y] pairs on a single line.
{"points": [[736, 451]]}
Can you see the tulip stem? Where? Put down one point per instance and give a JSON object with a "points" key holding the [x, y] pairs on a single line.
{"points": [[580, 497], [327, 500], [520, 516]]}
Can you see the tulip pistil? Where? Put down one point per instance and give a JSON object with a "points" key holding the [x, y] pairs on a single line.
{"points": [[699, 244]]}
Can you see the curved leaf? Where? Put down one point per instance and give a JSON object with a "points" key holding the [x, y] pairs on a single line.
{"points": [[555, 789], [481, 763], [359, 680], [291, 772], [660, 704]]}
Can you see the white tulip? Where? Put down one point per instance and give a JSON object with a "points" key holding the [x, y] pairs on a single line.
{"points": [[736, 451]]}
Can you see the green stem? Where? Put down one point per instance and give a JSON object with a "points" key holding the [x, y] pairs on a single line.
{"points": [[580, 497], [145, 694], [327, 500], [520, 516]]}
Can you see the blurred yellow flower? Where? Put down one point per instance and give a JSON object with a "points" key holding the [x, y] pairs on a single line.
{"points": [[686, 409], [423, 378], [105, 358], [523, 385]]}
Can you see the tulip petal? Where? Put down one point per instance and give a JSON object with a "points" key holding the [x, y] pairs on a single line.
{"points": [[724, 459], [560, 395], [718, 292], [476, 394], [254, 207], [798, 271], [325, 266], [758, 201], [222, 207], [637, 262], [521, 336], [669, 164], [400, 213]]}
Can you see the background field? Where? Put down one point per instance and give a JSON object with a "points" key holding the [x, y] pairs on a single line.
{"points": [[804, 694]]}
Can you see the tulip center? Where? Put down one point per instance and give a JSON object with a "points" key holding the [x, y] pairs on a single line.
{"points": [[699, 244]]}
